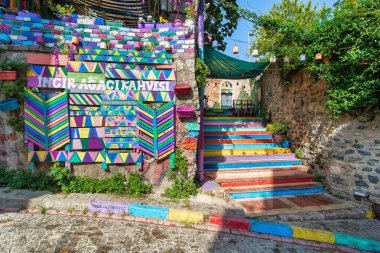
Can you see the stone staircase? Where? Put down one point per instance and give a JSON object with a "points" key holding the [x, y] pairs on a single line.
{"points": [[241, 155]]}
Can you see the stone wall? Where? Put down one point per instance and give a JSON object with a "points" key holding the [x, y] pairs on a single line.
{"points": [[346, 151], [214, 88]]}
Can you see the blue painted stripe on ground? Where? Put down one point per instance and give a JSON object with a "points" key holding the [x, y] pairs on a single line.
{"points": [[251, 165], [238, 137], [259, 194], [234, 129], [148, 211], [356, 242], [271, 228], [240, 146]]}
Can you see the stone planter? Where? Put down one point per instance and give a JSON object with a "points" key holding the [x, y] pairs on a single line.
{"points": [[146, 25], [164, 25], [285, 144], [29, 14], [182, 89], [5, 38], [185, 111], [8, 75], [8, 105], [178, 23]]}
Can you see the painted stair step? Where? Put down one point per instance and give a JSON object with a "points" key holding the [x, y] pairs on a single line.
{"points": [[237, 137], [304, 178], [217, 159], [226, 176], [243, 133], [226, 120], [254, 164], [240, 146], [233, 125], [279, 192], [230, 129], [234, 118], [270, 187], [247, 141], [266, 151]]}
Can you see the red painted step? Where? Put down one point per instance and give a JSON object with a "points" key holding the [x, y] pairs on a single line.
{"points": [[229, 222], [239, 141], [253, 182], [240, 133], [272, 187]]}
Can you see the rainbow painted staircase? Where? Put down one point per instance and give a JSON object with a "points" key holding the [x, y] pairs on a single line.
{"points": [[241, 155]]}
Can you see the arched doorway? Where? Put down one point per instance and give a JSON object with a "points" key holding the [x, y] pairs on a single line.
{"points": [[226, 93]]}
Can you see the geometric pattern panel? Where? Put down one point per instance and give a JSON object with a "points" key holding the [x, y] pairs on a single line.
{"points": [[85, 99], [165, 130], [128, 53], [123, 59], [146, 126], [46, 121], [133, 74], [87, 133], [46, 71], [85, 67]]}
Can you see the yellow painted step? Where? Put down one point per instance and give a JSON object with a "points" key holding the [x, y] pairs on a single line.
{"points": [[259, 151]]}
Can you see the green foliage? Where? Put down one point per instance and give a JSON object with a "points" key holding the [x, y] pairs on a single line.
{"points": [[23, 179], [190, 10], [278, 128], [222, 20], [201, 72], [298, 153], [136, 186], [17, 124], [347, 37], [244, 94], [9, 64], [181, 188], [66, 9], [216, 105], [13, 89]]}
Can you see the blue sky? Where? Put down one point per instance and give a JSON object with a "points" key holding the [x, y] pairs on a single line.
{"points": [[241, 33]]}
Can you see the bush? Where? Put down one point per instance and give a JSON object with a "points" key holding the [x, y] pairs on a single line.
{"points": [[181, 188], [277, 128], [23, 179], [136, 186]]}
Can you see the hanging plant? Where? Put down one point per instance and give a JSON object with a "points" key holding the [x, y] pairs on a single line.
{"points": [[201, 71]]}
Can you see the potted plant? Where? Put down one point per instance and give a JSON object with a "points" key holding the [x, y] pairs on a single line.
{"points": [[182, 89], [8, 104], [8, 69], [286, 142], [146, 24], [191, 12], [89, 18], [29, 14], [65, 12], [278, 129]]}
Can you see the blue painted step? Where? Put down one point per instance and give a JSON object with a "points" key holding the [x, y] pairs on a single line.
{"points": [[233, 120], [238, 137], [234, 129], [280, 192], [259, 164], [240, 146]]}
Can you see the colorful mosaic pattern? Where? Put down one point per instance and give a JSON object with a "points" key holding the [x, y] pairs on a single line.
{"points": [[146, 126], [87, 133], [165, 130], [133, 74], [128, 53], [85, 67], [123, 59], [85, 99], [46, 71]]}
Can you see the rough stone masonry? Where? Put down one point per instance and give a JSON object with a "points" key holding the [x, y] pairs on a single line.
{"points": [[344, 151]]}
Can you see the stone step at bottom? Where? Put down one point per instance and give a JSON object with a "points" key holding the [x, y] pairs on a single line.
{"points": [[270, 187]]}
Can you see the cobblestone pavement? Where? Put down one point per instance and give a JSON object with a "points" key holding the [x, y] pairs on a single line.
{"points": [[64, 234]]}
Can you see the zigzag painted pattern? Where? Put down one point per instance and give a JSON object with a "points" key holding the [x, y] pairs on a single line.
{"points": [[116, 95], [120, 121], [156, 96], [34, 114], [146, 126], [85, 67], [85, 99], [128, 53], [87, 133], [121, 143], [86, 121], [57, 119], [83, 108], [87, 144], [46, 71], [120, 131], [122, 59], [129, 66], [165, 130], [85, 157], [133, 74]]}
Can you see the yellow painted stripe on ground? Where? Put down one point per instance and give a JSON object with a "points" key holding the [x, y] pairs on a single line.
{"points": [[259, 151], [313, 234], [185, 216]]}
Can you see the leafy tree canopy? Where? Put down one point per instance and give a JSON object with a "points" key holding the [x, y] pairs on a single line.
{"points": [[348, 37]]}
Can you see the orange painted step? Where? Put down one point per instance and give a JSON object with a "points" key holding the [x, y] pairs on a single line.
{"points": [[299, 178], [240, 133], [271, 187], [239, 141]]}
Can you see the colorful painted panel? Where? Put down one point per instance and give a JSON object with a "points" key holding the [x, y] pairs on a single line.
{"points": [[87, 133], [86, 121], [85, 67], [165, 130], [46, 71], [86, 144], [85, 99], [122, 59], [46, 121], [91, 78], [128, 53], [133, 74], [146, 126]]}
